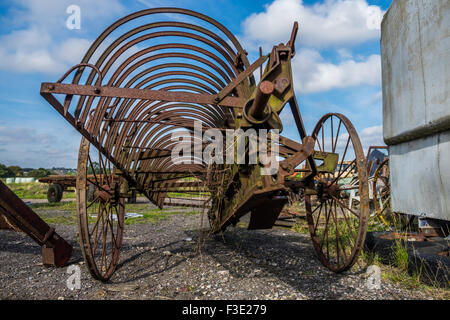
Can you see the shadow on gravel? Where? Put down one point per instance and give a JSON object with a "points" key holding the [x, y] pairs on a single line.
{"points": [[152, 263], [262, 255], [286, 256], [20, 243]]}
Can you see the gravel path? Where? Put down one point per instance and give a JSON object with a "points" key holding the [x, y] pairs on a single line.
{"points": [[159, 262]]}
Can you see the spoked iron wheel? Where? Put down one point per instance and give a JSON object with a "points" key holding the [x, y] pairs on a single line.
{"points": [[100, 221], [382, 192], [337, 221]]}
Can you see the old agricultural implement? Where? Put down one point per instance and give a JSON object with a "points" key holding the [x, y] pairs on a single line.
{"points": [[158, 72], [58, 184]]}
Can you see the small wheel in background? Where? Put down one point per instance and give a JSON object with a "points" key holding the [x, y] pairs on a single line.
{"points": [[54, 193]]}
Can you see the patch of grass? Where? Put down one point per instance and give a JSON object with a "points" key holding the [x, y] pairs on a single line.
{"points": [[70, 219], [370, 258], [65, 213], [188, 194], [400, 254], [402, 277], [397, 273], [35, 190], [57, 206], [154, 216], [375, 225], [301, 227]]}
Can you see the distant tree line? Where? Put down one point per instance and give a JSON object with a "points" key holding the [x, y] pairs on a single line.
{"points": [[16, 171]]}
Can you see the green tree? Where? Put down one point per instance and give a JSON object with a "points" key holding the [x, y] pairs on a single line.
{"points": [[5, 172], [96, 167], [18, 172], [39, 173]]}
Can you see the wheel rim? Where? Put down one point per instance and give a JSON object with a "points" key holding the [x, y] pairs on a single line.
{"points": [[337, 214], [101, 221], [382, 192]]}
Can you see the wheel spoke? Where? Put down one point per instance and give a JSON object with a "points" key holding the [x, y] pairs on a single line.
{"points": [[93, 170], [93, 201], [332, 142], [343, 157], [318, 218], [345, 207], [337, 136]]}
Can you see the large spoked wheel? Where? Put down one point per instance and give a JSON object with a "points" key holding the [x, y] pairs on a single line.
{"points": [[100, 221], [337, 209]]}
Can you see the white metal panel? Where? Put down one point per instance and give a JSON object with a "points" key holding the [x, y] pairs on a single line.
{"points": [[420, 176], [415, 49]]}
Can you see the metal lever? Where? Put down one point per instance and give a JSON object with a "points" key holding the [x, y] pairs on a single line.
{"points": [[291, 42]]}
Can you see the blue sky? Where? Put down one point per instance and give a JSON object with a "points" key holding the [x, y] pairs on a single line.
{"points": [[336, 69]]}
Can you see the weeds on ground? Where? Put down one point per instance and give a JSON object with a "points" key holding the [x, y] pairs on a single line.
{"points": [[155, 216], [301, 227], [397, 272]]}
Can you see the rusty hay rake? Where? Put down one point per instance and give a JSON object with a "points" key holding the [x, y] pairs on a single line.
{"points": [[157, 72]]}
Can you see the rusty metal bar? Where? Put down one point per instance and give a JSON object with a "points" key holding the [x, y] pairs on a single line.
{"points": [[55, 250], [132, 93]]}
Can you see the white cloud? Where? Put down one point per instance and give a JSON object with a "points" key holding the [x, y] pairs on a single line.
{"points": [[344, 53], [37, 147], [19, 135], [337, 24], [71, 50], [52, 15], [331, 23], [313, 74], [371, 136], [41, 44], [24, 52]]}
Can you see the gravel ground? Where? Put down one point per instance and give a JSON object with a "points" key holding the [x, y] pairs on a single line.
{"points": [[163, 261]]}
